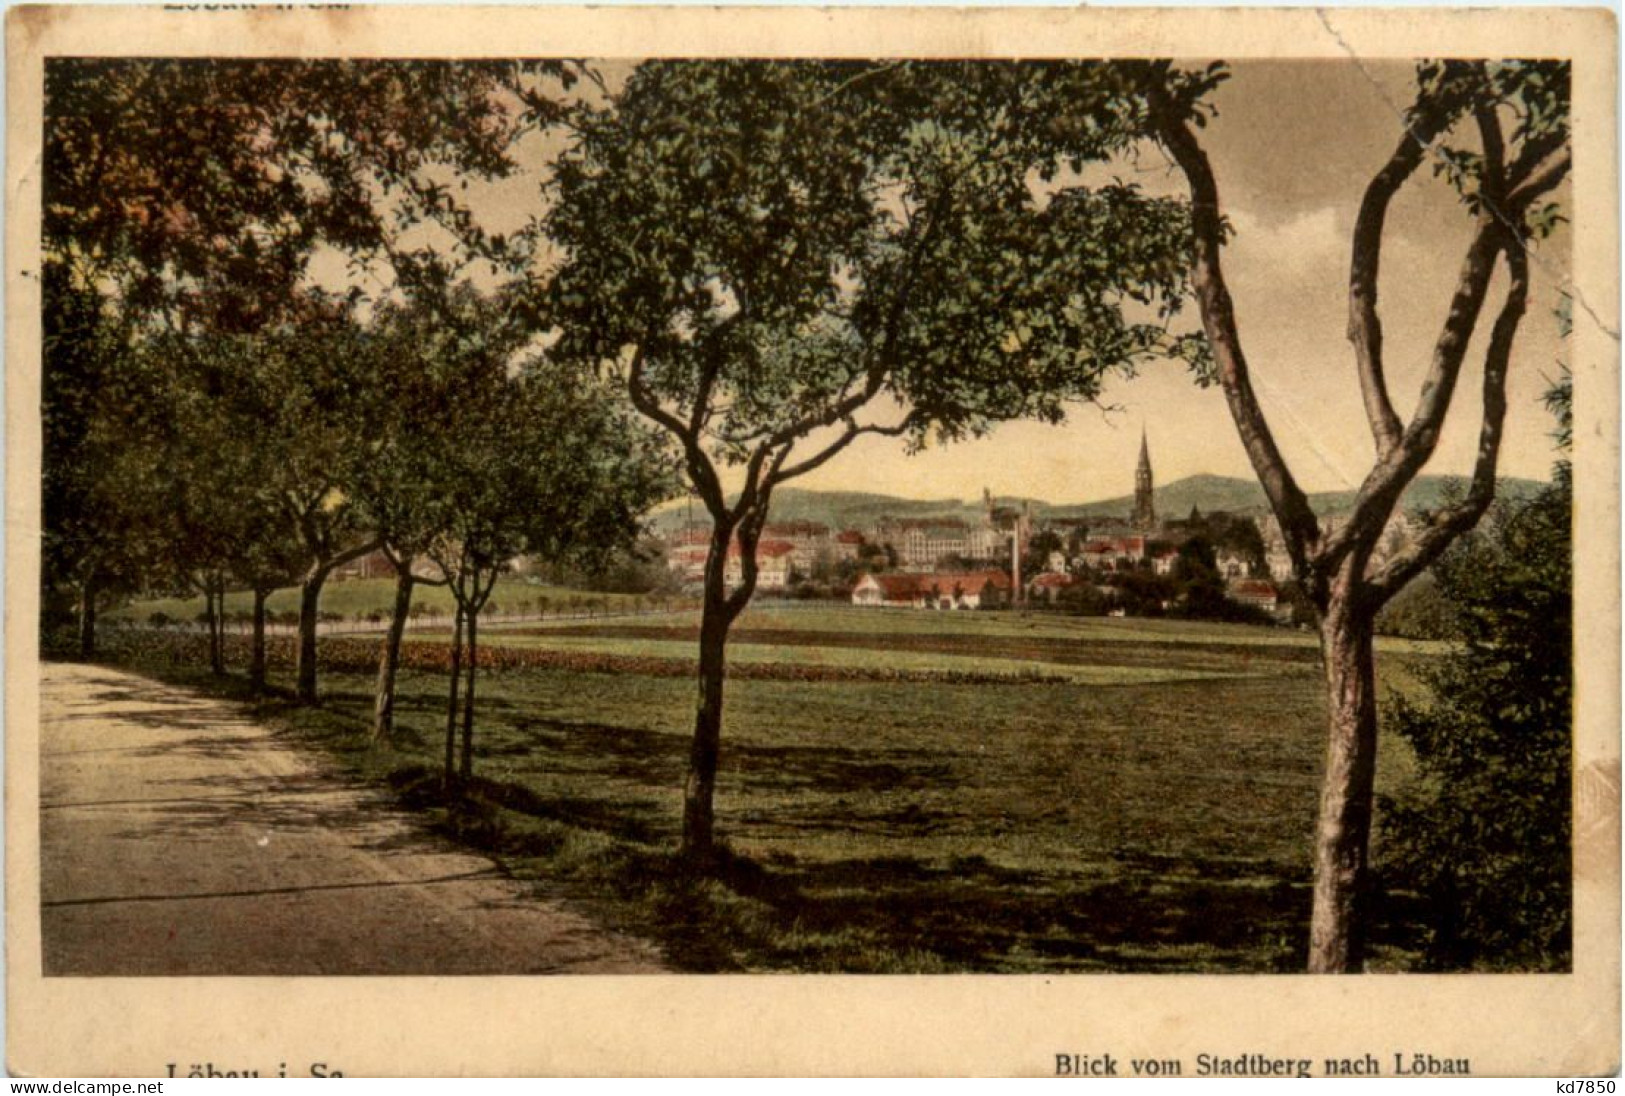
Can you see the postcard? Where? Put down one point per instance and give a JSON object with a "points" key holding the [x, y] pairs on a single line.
{"points": [[551, 541]]}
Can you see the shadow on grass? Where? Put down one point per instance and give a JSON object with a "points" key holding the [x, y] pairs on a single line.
{"points": [[874, 915], [786, 912], [651, 758], [972, 915]]}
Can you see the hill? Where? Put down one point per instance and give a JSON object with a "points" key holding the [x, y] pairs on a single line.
{"points": [[1173, 500], [1244, 496], [860, 509], [850, 509]]}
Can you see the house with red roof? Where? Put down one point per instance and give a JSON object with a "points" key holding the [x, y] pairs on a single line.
{"points": [[1255, 592], [1048, 586], [1111, 553], [847, 543], [934, 590]]}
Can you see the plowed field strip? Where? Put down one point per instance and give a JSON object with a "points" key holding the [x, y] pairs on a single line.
{"points": [[1190, 655]]}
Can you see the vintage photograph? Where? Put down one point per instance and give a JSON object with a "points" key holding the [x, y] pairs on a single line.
{"points": [[870, 515]]}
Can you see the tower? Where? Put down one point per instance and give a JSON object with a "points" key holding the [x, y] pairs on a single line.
{"points": [[1145, 512]]}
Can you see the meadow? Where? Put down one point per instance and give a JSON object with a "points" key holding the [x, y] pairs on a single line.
{"points": [[1068, 794]]}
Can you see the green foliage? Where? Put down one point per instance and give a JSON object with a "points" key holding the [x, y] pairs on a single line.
{"points": [[99, 431], [1419, 611], [183, 203], [774, 239], [523, 456], [1484, 835], [205, 184]]}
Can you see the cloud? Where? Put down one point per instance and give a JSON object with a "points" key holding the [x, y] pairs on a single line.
{"points": [[1313, 241]]}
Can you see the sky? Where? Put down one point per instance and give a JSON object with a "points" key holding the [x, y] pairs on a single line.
{"points": [[1292, 147]]}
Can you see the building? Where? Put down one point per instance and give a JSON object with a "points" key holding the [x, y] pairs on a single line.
{"points": [[774, 561], [938, 590], [847, 544], [1165, 561], [1255, 592], [1397, 535], [1113, 553], [895, 591], [807, 539], [1278, 562], [921, 542], [1232, 566], [1049, 585], [686, 550]]}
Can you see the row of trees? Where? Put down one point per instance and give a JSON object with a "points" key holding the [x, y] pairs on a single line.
{"points": [[214, 418], [765, 261]]}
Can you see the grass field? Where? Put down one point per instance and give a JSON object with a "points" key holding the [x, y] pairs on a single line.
{"points": [[1146, 805]]}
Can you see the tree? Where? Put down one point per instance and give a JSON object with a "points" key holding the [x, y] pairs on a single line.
{"points": [[1504, 184], [1484, 836], [101, 435], [399, 476], [321, 405], [171, 177], [536, 461], [218, 491], [776, 259], [1037, 551], [1201, 589]]}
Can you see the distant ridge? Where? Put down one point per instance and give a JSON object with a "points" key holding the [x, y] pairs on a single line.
{"points": [[847, 509], [1211, 493]]}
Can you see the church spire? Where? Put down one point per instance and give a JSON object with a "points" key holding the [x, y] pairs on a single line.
{"points": [[1145, 511]]}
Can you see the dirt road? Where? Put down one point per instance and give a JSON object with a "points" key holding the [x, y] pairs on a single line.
{"points": [[178, 837]]}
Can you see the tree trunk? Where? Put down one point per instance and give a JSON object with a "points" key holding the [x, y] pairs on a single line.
{"points": [[256, 658], [383, 713], [87, 617], [214, 601], [467, 767], [1343, 834], [451, 701], [699, 790], [310, 596]]}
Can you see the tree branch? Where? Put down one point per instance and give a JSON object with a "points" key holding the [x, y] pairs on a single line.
{"points": [[1452, 521], [1494, 183], [1540, 178], [1390, 475], [700, 470], [702, 396], [851, 434], [1365, 326], [1299, 527], [645, 401], [341, 558], [1533, 154], [749, 535]]}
